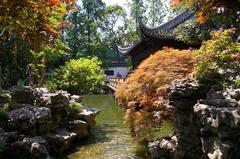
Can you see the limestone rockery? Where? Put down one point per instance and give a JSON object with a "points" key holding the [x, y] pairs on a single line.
{"points": [[207, 123], [41, 123]]}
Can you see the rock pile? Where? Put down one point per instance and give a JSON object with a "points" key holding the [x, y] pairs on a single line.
{"points": [[219, 116], [40, 123], [207, 123]]}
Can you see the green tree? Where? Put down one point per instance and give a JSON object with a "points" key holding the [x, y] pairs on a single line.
{"points": [[150, 12], [193, 33], [35, 23], [84, 37], [81, 76], [156, 12], [114, 26], [220, 52], [226, 12]]}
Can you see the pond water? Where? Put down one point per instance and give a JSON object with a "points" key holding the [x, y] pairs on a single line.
{"points": [[111, 138]]}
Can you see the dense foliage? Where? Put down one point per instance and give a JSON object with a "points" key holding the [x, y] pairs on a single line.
{"points": [[221, 52], [25, 27], [224, 11], [81, 76], [149, 82], [193, 33]]}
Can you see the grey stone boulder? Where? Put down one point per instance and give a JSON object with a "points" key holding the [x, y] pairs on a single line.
{"points": [[76, 98], [24, 95], [224, 121], [184, 93], [42, 91], [185, 87], [60, 141], [88, 114], [60, 99], [29, 119], [162, 148], [215, 148], [234, 94], [54, 100], [227, 74], [219, 103], [15, 106], [4, 98], [31, 148], [220, 120], [7, 138], [212, 94], [79, 127]]}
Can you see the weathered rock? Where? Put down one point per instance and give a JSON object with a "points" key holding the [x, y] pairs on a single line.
{"points": [[184, 93], [29, 119], [42, 91], [215, 148], [227, 74], [207, 123], [24, 95], [183, 96], [37, 112], [5, 98], [79, 127], [31, 148], [186, 87], [54, 100], [60, 99], [219, 119], [88, 114], [163, 148], [212, 94], [38, 150], [7, 138], [226, 103], [76, 98], [234, 94], [60, 141]]}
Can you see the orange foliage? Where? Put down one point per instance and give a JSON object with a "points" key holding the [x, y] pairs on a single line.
{"points": [[152, 77], [147, 87], [212, 8], [28, 18], [54, 2]]}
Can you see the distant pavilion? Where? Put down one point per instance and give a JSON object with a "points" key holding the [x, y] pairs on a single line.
{"points": [[154, 39]]}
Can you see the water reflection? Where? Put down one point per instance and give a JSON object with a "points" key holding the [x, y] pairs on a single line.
{"points": [[111, 138]]}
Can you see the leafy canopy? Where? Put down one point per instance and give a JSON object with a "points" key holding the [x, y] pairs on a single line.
{"points": [[146, 88], [81, 76], [220, 52], [221, 10]]}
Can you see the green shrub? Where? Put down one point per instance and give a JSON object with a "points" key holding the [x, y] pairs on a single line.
{"points": [[220, 52], [51, 84], [74, 108], [3, 115], [237, 82], [81, 76]]}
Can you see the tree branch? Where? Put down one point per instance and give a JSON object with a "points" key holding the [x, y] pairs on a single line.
{"points": [[3, 31]]}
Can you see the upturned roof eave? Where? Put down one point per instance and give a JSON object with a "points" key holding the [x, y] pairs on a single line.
{"points": [[163, 32]]}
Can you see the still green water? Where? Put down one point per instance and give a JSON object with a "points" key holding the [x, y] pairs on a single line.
{"points": [[111, 138]]}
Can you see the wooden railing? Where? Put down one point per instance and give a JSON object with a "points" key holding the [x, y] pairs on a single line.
{"points": [[114, 82]]}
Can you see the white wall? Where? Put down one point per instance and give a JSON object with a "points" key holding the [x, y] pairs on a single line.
{"points": [[123, 71]]}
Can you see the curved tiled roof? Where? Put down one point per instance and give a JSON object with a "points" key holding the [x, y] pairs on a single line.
{"points": [[164, 31]]}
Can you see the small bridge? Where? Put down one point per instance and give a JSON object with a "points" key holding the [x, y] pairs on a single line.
{"points": [[114, 82]]}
